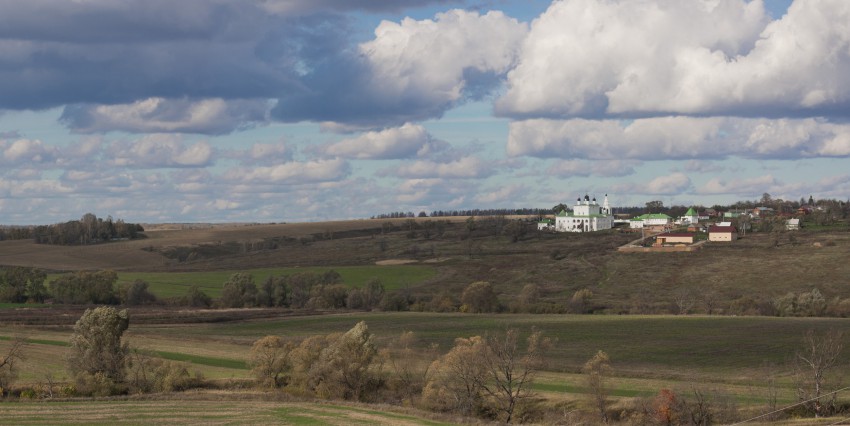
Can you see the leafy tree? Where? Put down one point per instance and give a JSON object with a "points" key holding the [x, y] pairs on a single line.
{"points": [[273, 292], [137, 293], [239, 291], [21, 284], [97, 352], [655, 206], [332, 296], [304, 357], [196, 298], [454, 380], [150, 374], [479, 297], [346, 368], [367, 298], [270, 361], [85, 287], [596, 369]]}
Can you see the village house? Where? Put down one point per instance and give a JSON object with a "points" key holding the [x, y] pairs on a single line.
{"points": [[674, 238], [653, 222], [689, 217], [697, 227], [587, 216], [722, 233], [545, 225]]}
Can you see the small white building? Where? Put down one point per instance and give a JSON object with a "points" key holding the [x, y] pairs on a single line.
{"points": [[690, 217], [654, 219], [587, 216], [545, 225]]}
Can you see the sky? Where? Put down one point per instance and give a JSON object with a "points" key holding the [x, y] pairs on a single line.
{"points": [[311, 110]]}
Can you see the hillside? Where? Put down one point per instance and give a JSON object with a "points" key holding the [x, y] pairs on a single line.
{"points": [[739, 278]]}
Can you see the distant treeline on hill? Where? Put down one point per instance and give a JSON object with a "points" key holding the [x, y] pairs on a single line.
{"points": [[473, 212], [90, 229]]}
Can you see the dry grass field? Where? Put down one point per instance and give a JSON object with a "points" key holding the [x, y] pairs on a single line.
{"points": [[207, 408]]}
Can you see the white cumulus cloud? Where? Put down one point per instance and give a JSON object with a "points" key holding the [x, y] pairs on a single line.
{"points": [[431, 63], [587, 58], [407, 141], [159, 150], [462, 168], [152, 115], [672, 184], [665, 138]]}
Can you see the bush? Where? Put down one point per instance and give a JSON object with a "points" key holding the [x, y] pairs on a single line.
{"points": [[149, 374]]}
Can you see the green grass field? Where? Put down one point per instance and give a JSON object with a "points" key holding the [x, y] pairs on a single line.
{"points": [[730, 348], [175, 284]]}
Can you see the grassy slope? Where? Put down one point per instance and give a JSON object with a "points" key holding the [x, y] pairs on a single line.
{"points": [[559, 264]]}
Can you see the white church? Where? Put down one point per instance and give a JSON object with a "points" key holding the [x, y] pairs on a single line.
{"points": [[587, 216]]}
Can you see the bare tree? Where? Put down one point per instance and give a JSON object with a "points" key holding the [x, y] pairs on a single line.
{"points": [[684, 300], [816, 357], [8, 373], [595, 370], [510, 372]]}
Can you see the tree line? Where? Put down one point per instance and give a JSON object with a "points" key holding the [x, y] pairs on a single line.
{"points": [[90, 229], [490, 376], [525, 211], [327, 291]]}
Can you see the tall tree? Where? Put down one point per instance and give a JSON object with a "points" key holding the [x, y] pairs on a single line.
{"points": [[454, 380], [239, 291], [510, 372], [97, 352], [346, 368], [654, 206], [8, 362], [596, 369], [814, 363], [270, 361]]}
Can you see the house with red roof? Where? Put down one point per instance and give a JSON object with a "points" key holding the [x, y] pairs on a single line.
{"points": [[722, 233]]}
